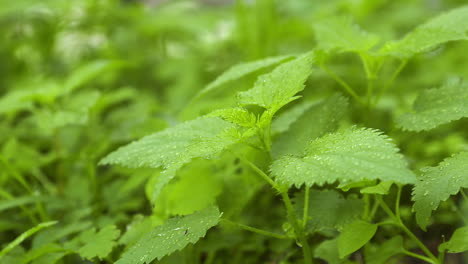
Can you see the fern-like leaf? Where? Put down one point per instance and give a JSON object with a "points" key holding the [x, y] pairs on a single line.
{"points": [[348, 156], [98, 244], [434, 107], [437, 184], [174, 235]]}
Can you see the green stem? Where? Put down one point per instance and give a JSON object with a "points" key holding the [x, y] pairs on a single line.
{"points": [[28, 212], [397, 202], [292, 216], [298, 231], [16, 175], [407, 231], [389, 83], [343, 84], [260, 172], [418, 242], [371, 75], [442, 256], [268, 138], [365, 213], [210, 257], [305, 215], [256, 230], [464, 195], [387, 223], [373, 211], [365, 65], [370, 91], [414, 255]]}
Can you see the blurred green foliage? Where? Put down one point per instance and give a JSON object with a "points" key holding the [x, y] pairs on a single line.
{"points": [[80, 78]]}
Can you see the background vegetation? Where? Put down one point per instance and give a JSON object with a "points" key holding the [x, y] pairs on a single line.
{"points": [[78, 79]]}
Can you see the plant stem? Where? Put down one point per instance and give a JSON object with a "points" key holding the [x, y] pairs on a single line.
{"points": [[210, 257], [19, 177], [407, 231], [389, 83], [16, 175], [342, 83], [397, 202], [414, 255], [260, 172], [256, 230], [305, 215], [464, 195], [371, 76], [370, 90], [373, 211], [418, 242], [365, 213], [292, 216], [299, 232]]}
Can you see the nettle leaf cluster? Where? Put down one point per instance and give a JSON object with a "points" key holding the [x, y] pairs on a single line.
{"points": [[335, 153]]}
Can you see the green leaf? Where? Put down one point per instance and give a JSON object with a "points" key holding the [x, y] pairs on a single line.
{"points": [[354, 236], [238, 116], [437, 184], [285, 119], [449, 26], [86, 73], [174, 235], [198, 179], [173, 147], [381, 253], [340, 34], [381, 188], [74, 110], [241, 70], [347, 156], [329, 209], [40, 252], [36, 90], [50, 258], [59, 232], [20, 201], [458, 243], [328, 251], [24, 236], [135, 229], [279, 87], [14, 101], [326, 116], [98, 244], [435, 107]]}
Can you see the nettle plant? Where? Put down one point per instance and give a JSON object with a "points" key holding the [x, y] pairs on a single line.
{"points": [[341, 182], [292, 172]]}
